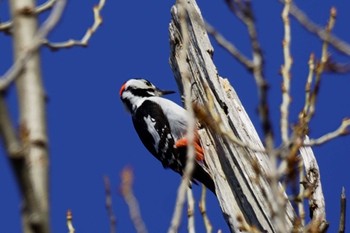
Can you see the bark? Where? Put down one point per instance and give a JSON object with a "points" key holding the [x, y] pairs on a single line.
{"points": [[245, 197], [33, 136], [317, 206]]}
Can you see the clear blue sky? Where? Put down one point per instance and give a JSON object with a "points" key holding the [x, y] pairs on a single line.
{"points": [[91, 134]]}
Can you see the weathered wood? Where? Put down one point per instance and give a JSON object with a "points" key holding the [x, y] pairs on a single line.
{"points": [[244, 196], [312, 183]]}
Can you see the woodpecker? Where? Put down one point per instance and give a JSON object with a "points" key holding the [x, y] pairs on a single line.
{"points": [[161, 125]]}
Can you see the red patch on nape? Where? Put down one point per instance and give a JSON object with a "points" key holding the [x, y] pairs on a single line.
{"points": [[122, 89], [182, 142]]}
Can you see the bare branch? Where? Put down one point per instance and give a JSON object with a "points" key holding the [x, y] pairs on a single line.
{"points": [[313, 187], [14, 71], [33, 169], [109, 205], [190, 211], [308, 111], [127, 179], [342, 222], [321, 66], [69, 217], [303, 19], [203, 210], [7, 132], [182, 10], [6, 26], [300, 198], [45, 6], [243, 10], [342, 130], [285, 70], [229, 47], [213, 122], [308, 87], [221, 155], [83, 42]]}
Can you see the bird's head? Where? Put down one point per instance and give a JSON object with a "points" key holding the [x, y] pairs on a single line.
{"points": [[134, 91]]}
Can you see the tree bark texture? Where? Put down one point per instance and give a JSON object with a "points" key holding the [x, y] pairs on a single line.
{"points": [[33, 136], [244, 196]]}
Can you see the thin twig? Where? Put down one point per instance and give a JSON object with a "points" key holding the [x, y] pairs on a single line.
{"points": [[6, 26], [300, 197], [130, 199], [285, 70], [214, 123], [321, 66], [342, 221], [8, 132], [203, 210], [109, 205], [307, 23], [229, 47], [342, 130], [83, 42], [187, 174], [243, 10], [190, 211], [69, 218], [308, 86], [14, 71]]}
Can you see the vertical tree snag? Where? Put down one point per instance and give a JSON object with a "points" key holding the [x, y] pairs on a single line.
{"points": [[33, 134], [241, 172]]}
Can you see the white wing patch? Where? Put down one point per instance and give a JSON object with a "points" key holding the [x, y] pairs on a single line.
{"points": [[150, 122]]}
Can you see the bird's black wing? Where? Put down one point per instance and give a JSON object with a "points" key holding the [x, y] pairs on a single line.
{"points": [[154, 131]]}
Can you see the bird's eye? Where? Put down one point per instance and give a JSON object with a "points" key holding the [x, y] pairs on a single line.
{"points": [[148, 83]]}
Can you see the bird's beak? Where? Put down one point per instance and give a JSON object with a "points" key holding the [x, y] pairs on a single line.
{"points": [[165, 92]]}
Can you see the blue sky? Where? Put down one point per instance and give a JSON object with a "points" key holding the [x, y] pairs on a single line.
{"points": [[91, 134]]}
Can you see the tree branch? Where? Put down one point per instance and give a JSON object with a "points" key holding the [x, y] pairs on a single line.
{"points": [[109, 205], [285, 70], [233, 168], [6, 26], [190, 211], [69, 218], [127, 179], [243, 10], [342, 130], [31, 49], [83, 42], [229, 47], [342, 221], [313, 187], [33, 135], [203, 211], [312, 27]]}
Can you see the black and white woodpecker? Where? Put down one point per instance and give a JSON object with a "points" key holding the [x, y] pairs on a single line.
{"points": [[161, 125]]}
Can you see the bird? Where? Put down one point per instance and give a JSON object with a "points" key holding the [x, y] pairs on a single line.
{"points": [[161, 125]]}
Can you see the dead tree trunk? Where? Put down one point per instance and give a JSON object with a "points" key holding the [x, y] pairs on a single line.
{"points": [[241, 173]]}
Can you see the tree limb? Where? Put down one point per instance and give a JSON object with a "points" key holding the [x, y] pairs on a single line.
{"points": [[6, 26], [313, 186], [244, 198], [33, 135], [342, 221], [83, 42], [312, 27]]}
